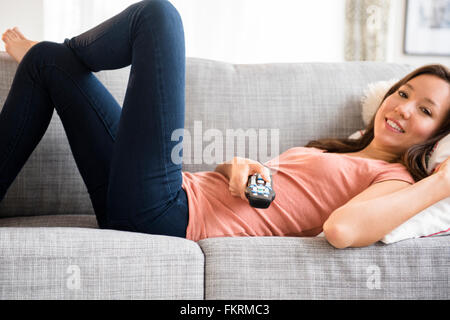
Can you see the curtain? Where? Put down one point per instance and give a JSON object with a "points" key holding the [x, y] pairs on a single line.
{"points": [[366, 29]]}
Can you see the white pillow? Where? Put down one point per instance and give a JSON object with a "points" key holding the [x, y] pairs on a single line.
{"points": [[434, 220], [373, 96]]}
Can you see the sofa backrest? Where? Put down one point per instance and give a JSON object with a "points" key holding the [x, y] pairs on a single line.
{"points": [[281, 105]]}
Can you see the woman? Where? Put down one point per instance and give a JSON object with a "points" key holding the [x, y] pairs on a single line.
{"points": [[124, 155]]}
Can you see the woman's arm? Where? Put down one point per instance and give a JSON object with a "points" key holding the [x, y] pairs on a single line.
{"points": [[381, 208]]}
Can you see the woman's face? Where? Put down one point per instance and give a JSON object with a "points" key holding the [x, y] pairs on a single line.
{"points": [[418, 107]]}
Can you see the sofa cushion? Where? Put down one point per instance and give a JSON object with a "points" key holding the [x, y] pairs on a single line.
{"points": [[310, 268], [81, 263]]}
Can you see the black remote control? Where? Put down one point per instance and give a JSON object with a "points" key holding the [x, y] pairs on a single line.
{"points": [[259, 193]]}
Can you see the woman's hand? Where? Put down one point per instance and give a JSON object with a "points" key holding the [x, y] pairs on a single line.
{"points": [[444, 171], [241, 169]]}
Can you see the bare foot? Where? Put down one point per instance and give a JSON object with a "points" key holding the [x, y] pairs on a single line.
{"points": [[16, 44]]}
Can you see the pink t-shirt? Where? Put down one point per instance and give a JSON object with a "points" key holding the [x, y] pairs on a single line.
{"points": [[309, 184]]}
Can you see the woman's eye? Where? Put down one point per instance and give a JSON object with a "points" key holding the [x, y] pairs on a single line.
{"points": [[402, 94], [426, 111]]}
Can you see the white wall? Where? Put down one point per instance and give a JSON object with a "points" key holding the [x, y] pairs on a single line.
{"points": [[253, 31]]}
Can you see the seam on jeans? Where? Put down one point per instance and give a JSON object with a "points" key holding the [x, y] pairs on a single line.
{"points": [[87, 98], [19, 134], [163, 102]]}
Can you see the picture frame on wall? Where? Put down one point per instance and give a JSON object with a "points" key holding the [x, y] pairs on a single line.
{"points": [[427, 27]]}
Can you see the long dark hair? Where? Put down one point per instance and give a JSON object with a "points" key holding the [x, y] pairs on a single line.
{"points": [[415, 158]]}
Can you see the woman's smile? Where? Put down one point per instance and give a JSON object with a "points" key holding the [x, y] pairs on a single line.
{"points": [[393, 126]]}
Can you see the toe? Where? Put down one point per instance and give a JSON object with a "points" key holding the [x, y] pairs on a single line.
{"points": [[6, 37], [13, 35], [18, 33], [8, 33]]}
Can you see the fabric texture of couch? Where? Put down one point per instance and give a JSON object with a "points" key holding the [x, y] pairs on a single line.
{"points": [[51, 247]]}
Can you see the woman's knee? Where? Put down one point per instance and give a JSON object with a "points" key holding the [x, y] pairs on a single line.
{"points": [[158, 7], [159, 12], [45, 52]]}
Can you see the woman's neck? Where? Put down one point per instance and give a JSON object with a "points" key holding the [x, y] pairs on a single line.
{"points": [[371, 152]]}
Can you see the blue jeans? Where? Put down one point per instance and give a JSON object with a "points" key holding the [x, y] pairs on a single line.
{"points": [[123, 154]]}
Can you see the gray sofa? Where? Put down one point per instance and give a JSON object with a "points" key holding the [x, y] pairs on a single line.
{"points": [[51, 247]]}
